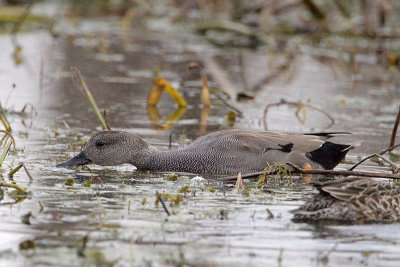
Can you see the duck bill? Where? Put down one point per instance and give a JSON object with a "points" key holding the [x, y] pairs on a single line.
{"points": [[79, 159]]}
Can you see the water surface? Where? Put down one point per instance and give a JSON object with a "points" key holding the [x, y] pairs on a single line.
{"points": [[117, 221]]}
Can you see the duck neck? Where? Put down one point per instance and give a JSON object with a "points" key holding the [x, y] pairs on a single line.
{"points": [[156, 160], [142, 159]]}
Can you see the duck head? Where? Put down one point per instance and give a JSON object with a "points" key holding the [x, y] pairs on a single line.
{"points": [[109, 148]]}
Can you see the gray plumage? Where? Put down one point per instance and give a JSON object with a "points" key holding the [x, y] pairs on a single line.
{"points": [[222, 152], [353, 200]]}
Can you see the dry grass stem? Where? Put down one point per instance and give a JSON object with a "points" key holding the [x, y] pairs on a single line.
{"points": [[89, 95], [388, 149], [239, 182]]}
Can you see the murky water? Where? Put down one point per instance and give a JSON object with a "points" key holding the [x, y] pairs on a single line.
{"points": [[116, 221]]}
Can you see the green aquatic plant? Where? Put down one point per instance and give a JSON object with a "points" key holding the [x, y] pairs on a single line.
{"points": [[171, 177], [176, 200], [88, 183], [4, 120], [27, 244], [283, 170], [11, 141], [16, 187], [184, 190], [69, 182], [8, 138], [13, 171], [261, 181]]}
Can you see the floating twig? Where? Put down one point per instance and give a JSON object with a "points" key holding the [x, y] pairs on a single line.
{"points": [[89, 96], [162, 203], [27, 172], [345, 173], [394, 167], [388, 149], [392, 146], [300, 105], [297, 170]]}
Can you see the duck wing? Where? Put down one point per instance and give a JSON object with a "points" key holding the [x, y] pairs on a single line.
{"points": [[258, 141], [346, 189], [374, 201]]}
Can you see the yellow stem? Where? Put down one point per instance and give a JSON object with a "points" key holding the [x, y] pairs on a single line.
{"points": [[18, 188], [171, 91], [154, 95]]}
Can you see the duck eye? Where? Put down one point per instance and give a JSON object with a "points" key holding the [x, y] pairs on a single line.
{"points": [[100, 143]]}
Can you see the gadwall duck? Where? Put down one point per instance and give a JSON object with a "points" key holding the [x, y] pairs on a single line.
{"points": [[222, 152], [354, 200]]}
